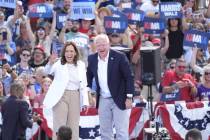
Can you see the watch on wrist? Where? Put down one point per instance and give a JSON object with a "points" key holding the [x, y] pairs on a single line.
{"points": [[129, 96]]}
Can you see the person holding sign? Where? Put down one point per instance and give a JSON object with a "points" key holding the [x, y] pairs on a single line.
{"points": [[15, 20], [179, 83], [176, 37]]}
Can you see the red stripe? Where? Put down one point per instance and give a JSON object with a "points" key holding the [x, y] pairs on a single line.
{"points": [[167, 123], [89, 112], [134, 118]]}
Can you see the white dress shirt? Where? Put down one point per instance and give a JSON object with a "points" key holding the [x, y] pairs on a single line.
{"points": [[103, 76], [74, 82]]}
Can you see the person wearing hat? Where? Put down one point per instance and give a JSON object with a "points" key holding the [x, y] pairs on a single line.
{"points": [[85, 25], [38, 57]]}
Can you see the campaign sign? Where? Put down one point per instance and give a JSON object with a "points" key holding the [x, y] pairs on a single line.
{"points": [[134, 16], [170, 9], [60, 20], [41, 10], [197, 38], [175, 96], [83, 10], [115, 24], [8, 3], [153, 25]]}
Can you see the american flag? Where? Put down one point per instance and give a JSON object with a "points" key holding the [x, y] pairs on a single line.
{"points": [[180, 117]]}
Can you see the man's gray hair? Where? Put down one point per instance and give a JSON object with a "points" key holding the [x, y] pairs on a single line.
{"points": [[17, 88], [101, 36]]}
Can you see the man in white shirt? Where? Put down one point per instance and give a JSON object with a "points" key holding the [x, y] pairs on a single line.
{"points": [[150, 7]]}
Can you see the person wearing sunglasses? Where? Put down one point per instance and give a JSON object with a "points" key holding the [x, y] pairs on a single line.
{"points": [[23, 65], [179, 82], [203, 89]]}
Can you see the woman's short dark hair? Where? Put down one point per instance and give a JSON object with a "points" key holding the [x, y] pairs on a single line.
{"points": [[63, 58]]}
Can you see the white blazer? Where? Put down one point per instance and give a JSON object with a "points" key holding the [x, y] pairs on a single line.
{"points": [[61, 79], [58, 86]]}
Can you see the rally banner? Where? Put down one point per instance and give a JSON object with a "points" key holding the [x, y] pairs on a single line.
{"points": [[195, 38], [115, 24], [8, 3], [134, 16], [83, 9], [60, 20], [89, 127], [41, 10], [180, 117], [170, 9], [154, 25]]}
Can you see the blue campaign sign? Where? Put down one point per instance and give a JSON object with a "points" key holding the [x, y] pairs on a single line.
{"points": [[170, 9], [8, 3], [197, 38], [41, 10], [175, 96], [115, 24], [134, 16], [83, 10], [60, 20], [153, 25]]}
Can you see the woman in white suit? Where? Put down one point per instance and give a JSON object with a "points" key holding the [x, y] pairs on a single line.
{"points": [[68, 90]]}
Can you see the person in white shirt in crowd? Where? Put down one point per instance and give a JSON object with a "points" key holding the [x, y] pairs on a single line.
{"points": [[14, 21], [150, 8]]}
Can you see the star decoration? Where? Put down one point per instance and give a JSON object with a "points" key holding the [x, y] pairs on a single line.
{"points": [[92, 133]]}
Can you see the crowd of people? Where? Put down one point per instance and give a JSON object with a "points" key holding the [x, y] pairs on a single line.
{"points": [[71, 68]]}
